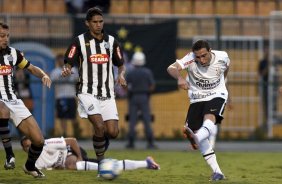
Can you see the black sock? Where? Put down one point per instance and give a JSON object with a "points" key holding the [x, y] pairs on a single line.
{"points": [[33, 154], [6, 138], [99, 146]]}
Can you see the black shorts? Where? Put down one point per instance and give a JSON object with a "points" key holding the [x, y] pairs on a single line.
{"points": [[66, 108], [197, 111]]}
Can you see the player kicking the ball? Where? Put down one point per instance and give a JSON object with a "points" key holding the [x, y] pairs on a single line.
{"points": [[207, 70]]}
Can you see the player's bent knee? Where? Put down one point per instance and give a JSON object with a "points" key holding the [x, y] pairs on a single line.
{"points": [[113, 134]]}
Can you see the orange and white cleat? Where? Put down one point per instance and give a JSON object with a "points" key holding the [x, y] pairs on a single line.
{"points": [[188, 133]]}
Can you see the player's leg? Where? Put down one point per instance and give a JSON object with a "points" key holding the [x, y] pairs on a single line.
{"points": [[89, 107], [213, 136], [86, 165], [148, 163], [210, 157], [30, 128], [212, 114], [194, 121], [99, 140], [6, 137]]}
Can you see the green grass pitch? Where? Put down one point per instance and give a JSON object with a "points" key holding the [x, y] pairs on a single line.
{"points": [[177, 167]]}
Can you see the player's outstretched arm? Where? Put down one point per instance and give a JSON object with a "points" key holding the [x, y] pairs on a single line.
{"points": [[38, 72], [174, 70]]}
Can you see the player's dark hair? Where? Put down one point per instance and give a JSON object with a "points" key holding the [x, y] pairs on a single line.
{"points": [[4, 26], [92, 12], [199, 44]]}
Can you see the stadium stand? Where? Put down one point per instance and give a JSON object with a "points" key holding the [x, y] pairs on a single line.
{"points": [[203, 7], [265, 7], [55, 7], [12, 6], [182, 7], [246, 7], [224, 7], [119, 7], [33, 6], [140, 7], [161, 7]]}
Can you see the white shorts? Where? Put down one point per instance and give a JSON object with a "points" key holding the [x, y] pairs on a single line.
{"points": [[90, 105], [18, 111]]}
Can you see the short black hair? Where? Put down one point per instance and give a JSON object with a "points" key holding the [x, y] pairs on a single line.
{"points": [[199, 44], [3, 25], [92, 12]]}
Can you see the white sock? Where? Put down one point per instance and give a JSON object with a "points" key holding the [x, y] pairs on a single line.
{"points": [[132, 164], [209, 155], [206, 130], [85, 166], [212, 137]]}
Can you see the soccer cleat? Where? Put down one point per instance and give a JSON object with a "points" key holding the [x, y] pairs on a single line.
{"points": [[36, 173], [217, 177], [188, 133], [152, 164], [10, 163]]}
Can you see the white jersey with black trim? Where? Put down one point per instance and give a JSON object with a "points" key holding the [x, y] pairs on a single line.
{"points": [[206, 82], [53, 155]]}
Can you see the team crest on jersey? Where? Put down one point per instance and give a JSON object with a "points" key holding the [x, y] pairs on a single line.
{"points": [[10, 58], [99, 58], [217, 71], [107, 45], [6, 70]]}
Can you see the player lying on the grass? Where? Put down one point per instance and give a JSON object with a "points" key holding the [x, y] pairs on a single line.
{"points": [[65, 153]]}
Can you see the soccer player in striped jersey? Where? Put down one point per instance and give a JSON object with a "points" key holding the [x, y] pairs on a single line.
{"points": [[95, 53], [207, 70], [13, 107]]}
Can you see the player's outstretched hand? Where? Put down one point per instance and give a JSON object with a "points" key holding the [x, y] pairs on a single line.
{"points": [[182, 83], [66, 71], [46, 81], [121, 80]]}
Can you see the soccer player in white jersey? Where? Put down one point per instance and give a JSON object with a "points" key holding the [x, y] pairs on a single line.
{"points": [[64, 153], [207, 70], [96, 52], [13, 107]]}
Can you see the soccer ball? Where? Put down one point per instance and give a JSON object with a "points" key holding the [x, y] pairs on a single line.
{"points": [[109, 169]]}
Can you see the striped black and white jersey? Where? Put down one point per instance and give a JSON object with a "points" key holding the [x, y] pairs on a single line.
{"points": [[95, 60], [9, 59], [206, 82]]}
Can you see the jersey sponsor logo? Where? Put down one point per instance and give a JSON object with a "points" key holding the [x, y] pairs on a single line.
{"points": [[189, 62], [99, 58], [206, 84], [201, 96], [6, 70], [72, 52], [91, 107]]}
